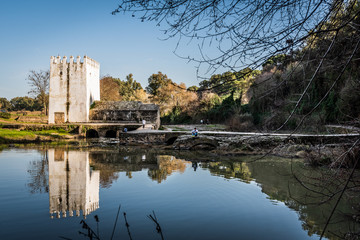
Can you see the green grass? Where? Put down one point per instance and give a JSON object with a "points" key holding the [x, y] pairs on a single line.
{"points": [[7, 120], [52, 132], [12, 120], [30, 135], [28, 115], [16, 134]]}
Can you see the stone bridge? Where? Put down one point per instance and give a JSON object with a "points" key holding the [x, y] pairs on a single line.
{"points": [[149, 137], [110, 130], [88, 130]]}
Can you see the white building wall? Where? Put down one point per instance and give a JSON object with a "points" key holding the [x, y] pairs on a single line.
{"points": [[58, 87], [93, 82], [77, 89], [73, 88]]}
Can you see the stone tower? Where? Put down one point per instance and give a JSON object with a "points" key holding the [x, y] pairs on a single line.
{"points": [[74, 86]]}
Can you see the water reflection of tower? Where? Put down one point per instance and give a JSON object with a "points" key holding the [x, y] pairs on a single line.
{"points": [[73, 186]]}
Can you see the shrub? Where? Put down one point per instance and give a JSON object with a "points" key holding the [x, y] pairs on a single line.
{"points": [[245, 108], [5, 115], [316, 159], [242, 122], [176, 117], [93, 105]]}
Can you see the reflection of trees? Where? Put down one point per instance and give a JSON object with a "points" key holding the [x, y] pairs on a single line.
{"points": [[2, 146], [325, 188], [108, 174], [238, 170], [166, 166], [39, 175], [277, 181], [110, 163], [274, 176]]}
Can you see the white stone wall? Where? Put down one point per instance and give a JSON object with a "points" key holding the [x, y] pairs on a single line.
{"points": [[58, 88], [74, 85], [93, 82]]}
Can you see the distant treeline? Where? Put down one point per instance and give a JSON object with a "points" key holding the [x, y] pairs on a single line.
{"points": [[216, 100], [21, 103]]}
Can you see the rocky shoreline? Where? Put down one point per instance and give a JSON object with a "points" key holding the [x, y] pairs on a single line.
{"points": [[315, 149]]}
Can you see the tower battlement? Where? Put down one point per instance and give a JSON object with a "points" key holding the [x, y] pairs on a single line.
{"points": [[72, 60], [74, 85]]}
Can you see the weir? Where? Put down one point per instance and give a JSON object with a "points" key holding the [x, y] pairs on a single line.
{"points": [[184, 140]]}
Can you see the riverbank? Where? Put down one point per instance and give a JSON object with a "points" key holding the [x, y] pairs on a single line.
{"points": [[320, 149], [32, 133], [316, 149]]}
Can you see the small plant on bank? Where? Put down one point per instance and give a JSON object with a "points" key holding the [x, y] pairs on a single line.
{"points": [[93, 105], [5, 115]]}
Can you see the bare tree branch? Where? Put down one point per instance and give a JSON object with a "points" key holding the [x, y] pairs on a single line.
{"points": [[39, 84]]}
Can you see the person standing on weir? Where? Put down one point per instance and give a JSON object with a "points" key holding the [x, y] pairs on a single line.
{"points": [[143, 123]]}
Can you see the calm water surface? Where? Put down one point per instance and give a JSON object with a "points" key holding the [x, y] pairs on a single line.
{"points": [[46, 193]]}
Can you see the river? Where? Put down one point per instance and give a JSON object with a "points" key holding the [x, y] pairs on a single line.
{"points": [[49, 192]]}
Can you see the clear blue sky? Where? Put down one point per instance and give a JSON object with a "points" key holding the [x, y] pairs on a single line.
{"points": [[32, 31]]}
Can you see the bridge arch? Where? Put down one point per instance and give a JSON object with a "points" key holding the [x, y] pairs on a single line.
{"points": [[92, 133], [196, 143], [110, 134], [171, 140], [204, 146]]}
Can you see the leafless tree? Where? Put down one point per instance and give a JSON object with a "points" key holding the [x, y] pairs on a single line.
{"points": [[247, 33], [39, 83], [39, 174]]}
